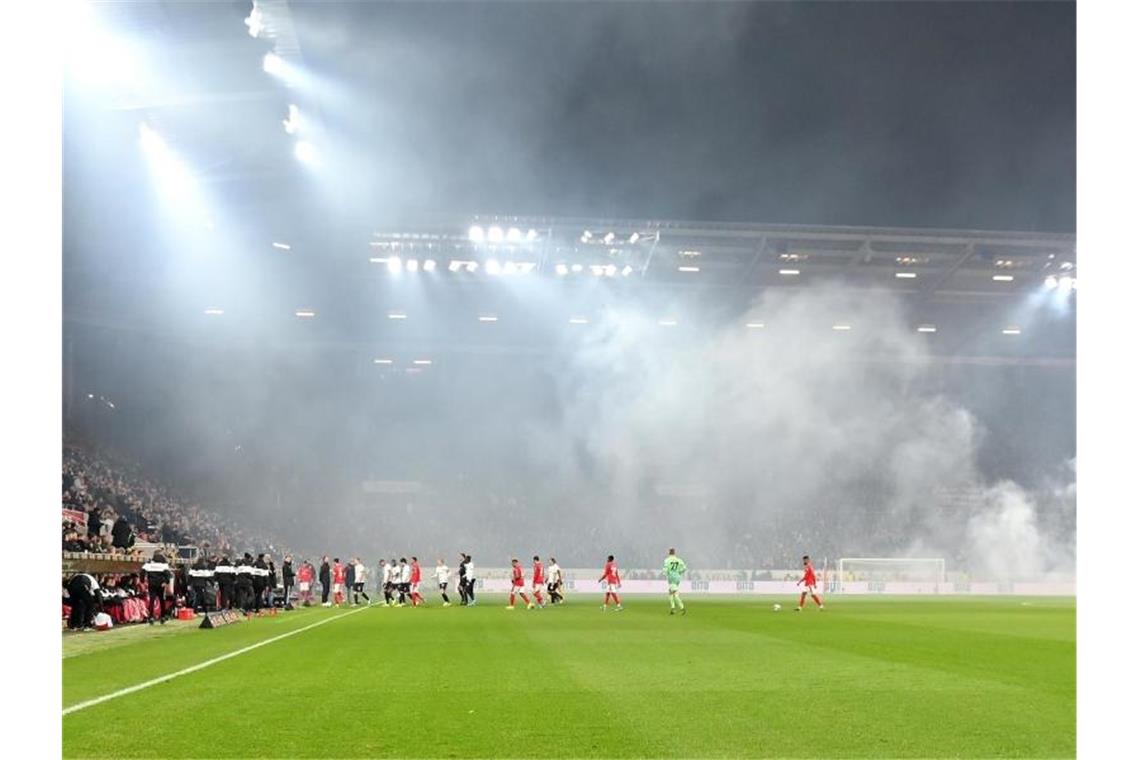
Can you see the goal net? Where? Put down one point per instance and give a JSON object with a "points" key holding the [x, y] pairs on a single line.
{"points": [[891, 569]]}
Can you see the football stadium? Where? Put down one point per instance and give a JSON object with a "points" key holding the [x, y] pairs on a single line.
{"points": [[494, 380]]}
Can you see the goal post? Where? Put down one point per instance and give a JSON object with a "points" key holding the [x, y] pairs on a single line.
{"points": [[891, 569]]}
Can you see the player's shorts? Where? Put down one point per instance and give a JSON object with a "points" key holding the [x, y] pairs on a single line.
{"points": [[338, 588], [536, 588], [518, 589], [358, 587], [443, 586], [812, 590], [611, 588], [304, 586], [415, 588], [674, 587]]}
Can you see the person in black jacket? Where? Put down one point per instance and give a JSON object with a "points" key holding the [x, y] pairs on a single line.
{"points": [[271, 586], [243, 585], [287, 576], [463, 579], [201, 578], [82, 593], [325, 577], [159, 577], [121, 535], [260, 582], [226, 576]]}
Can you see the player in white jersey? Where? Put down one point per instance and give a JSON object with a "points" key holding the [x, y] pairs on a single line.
{"points": [[386, 581], [442, 574], [405, 581]]}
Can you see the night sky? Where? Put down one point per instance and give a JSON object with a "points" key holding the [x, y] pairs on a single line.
{"points": [[914, 114]]}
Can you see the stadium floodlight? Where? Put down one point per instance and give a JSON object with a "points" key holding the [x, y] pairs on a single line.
{"points": [[282, 246], [576, 268], [754, 325], [1011, 331], [597, 270], [611, 270], [454, 265], [475, 234], [586, 235], [488, 318], [397, 315], [1065, 283], [293, 123], [273, 64], [214, 312], [422, 362], [514, 235], [667, 322], [172, 174], [255, 22], [561, 269], [495, 234], [842, 327], [905, 275], [472, 266], [381, 361], [531, 235], [429, 265], [413, 265], [305, 152], [1051, 282], [634, 238], [526, 267], [1074, 283], [579, 321], [510, 268], [789, 272], [927, 329], [305, 313], [688, 269], [394, 264], [626, 270], [1066, 266], [1003, 278], [378, 259], [492, 266]]}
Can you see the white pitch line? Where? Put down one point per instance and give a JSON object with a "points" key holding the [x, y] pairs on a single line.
{"points": [[193, 668]]}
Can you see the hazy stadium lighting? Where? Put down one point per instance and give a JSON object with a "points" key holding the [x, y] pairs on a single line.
{"points": [[688, 269], [667, 322], [1003, 278], [272, 64], [454, 265], [378, 259], [754, 325], [305, 313], [293, 122], [526, 267], [1011, 331], [576, 268], [413, 265], [927, 328], [305, 152], [475, 234], [579, 321], [597, 270], [905, 275], [397, 315], [90, 395], [214, 312], [1074, 283], [282, 246], [611, 270], [789, 272], [609, 238], [168, 168], [381, 361], [255, 22], [626, 270], [488, 318], [841, 327], [394, 264], [634, 238], [561, 269], [510, 268], [422, 362], [531, 235], [495, 234], [514, 235], [586, 235], [1066, 266], [492, 266], [429, 265], [472, 266], [1051, 282], [1065, 283]]}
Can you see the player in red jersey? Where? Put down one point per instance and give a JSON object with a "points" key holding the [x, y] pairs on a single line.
{"points": [[417, 600], [517, 585], [809, 585], [613, 582], [537, 581], [338, 582]]}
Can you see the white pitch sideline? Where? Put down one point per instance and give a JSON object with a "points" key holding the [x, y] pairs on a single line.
{"points": [[193, 668]]}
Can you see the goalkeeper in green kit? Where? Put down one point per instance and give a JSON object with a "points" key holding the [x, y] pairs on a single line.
{"points": [[674, 568]]}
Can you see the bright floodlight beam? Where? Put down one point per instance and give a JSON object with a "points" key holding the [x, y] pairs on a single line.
{"points": [[1051, 282], [495, 234], [561, 269], [429, 265], [475, 234], [413, 265], [514, 235], [305, 152], [492, 266], [394, 264], [273, 64]]}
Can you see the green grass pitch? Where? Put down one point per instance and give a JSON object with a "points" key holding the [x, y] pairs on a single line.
{"points": [[867, 677]]}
